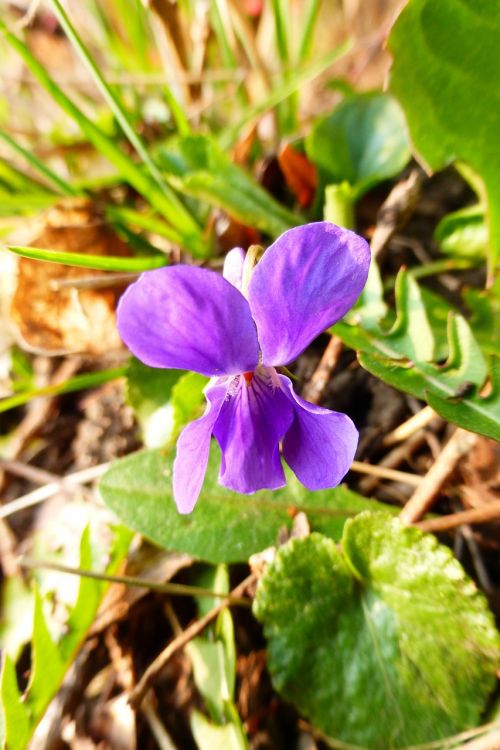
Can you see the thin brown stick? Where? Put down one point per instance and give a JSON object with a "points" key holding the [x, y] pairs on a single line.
{"points": [[140, 690], [422, 499], [384, 473], [410, 427], [25, 471], [70, 481], [485, 514], [396, 210], [393, 459], [316, 386]]}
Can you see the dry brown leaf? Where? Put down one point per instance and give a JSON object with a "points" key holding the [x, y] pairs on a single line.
{"points": [[300, 174], [67, 320]]}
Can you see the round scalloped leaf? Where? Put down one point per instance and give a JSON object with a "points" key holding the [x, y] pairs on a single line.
{"points": [[384, 644]]}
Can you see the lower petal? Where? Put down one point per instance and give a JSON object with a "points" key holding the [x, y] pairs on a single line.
{"points": [[320, 445], [249, 428], [193, 448]]}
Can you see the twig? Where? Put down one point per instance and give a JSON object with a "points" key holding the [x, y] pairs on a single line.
{"points": [[384, 473], [419, 503], [140, 690], [70, 481], [25, 471], [412, 425], [477, 558], [487, 742], [393, 459], [315, 388], [102, 281], [485, 514], [396, 210]]}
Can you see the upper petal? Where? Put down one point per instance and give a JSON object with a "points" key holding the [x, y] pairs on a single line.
{"points": [[306, 281], [233, 266], [320, 445], [189, 318], [193, 447], [252, 421]]}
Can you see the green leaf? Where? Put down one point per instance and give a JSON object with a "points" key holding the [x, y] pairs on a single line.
{"points": [[369, 641], [164, 401], [51, 660], [448, 83], [224, 526], [463, 234], [210, 736], [188, 400], [15, 721], [485, 321], [400, 357], [198, 167], [47, 665], [149, 393], [363, 141]]}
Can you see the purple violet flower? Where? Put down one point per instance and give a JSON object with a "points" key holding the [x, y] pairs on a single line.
{"points": [[194, 319]]}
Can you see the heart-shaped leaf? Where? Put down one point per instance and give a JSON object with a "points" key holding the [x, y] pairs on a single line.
{"points": [[384, 644], [362, 142]]}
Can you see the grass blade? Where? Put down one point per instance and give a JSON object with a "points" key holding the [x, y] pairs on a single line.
{"points": [[169, 205], [282, 92], [77, 383], [62, 186], [82, 260], [110, 97], [311, 16]]}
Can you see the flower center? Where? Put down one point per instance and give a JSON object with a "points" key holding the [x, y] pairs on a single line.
{"points": [[248, 377]]}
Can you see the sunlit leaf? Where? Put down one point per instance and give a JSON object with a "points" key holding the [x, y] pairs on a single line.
{"points": [[446, 74], [368, 640], [363, 141], [138, 488]]}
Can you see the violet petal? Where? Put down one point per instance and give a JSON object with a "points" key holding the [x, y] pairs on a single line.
{"points": [[233, 266], [250, 425], [193, 448], [306, 281], [188, 318], [320, 445]]}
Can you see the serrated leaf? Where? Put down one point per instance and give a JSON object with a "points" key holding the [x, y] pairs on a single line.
{"points": [[224, 526], [369, 641], [363, 141], [399, 357], [411, 336], [198, 167], [449, 87], [463, 234], [15, 722]]}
